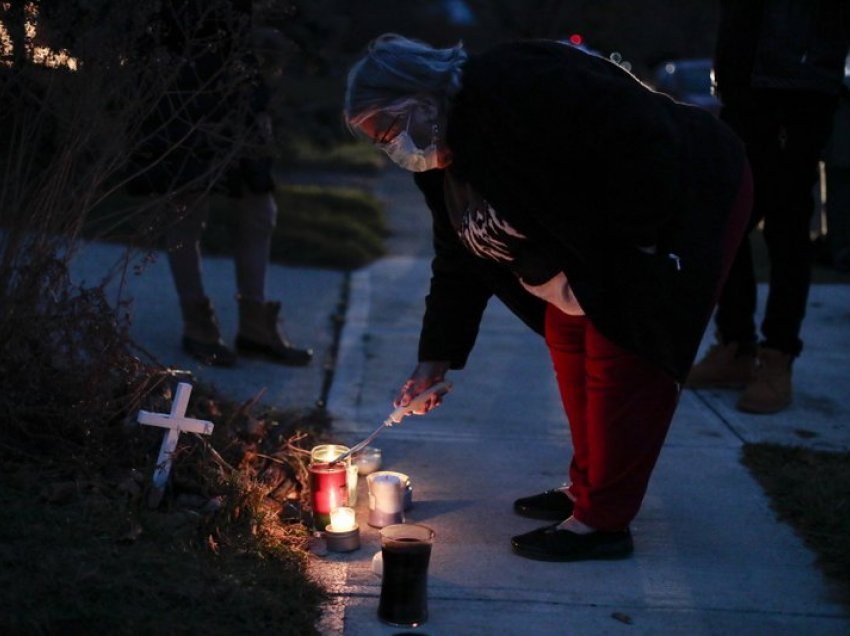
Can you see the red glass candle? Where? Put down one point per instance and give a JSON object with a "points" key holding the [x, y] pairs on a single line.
{"points": [[328, 491]]}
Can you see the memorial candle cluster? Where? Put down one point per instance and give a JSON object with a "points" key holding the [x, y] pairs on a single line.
{"points": [[405, 548]]}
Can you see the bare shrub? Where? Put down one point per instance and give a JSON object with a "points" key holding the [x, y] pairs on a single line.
{"points": [[158, 89]]}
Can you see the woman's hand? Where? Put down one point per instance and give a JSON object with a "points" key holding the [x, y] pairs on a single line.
{"points": [[557, 291], [425, 375]]}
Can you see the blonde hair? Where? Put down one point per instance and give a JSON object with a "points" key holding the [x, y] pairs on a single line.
{"points": [[396, 68]]}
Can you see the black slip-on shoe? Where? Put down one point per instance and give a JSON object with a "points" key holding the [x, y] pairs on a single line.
{"points": [[551, 544], [552, 505]]}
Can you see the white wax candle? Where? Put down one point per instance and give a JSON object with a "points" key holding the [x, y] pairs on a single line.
{"points": [[386, 493], [342, 519]]}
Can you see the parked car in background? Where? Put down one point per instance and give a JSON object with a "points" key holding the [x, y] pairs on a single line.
{"points": [[690, 81]]}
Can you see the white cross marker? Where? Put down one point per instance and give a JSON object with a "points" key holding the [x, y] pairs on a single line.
{"points": [[175, 423]]}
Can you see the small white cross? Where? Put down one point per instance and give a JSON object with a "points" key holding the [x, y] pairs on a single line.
{"points": [[175, 423]]}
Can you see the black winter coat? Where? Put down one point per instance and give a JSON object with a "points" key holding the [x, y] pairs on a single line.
{"points": [[589, 164], [797, 45]]}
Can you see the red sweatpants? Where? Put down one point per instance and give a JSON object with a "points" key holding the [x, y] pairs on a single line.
{"points": [[619, 406], [619, 409]]}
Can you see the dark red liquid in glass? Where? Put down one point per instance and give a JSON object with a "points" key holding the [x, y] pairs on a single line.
{"points": [[404, 586]]}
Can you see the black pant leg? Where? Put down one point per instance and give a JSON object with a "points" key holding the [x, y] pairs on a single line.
{"points": [[803, 125]]}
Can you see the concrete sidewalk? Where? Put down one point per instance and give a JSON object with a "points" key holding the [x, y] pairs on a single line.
{"points": [[710, 556]]}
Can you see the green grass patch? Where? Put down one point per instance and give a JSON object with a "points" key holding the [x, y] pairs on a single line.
{"points": [[356, 156], [317, 226], [811, 491]]}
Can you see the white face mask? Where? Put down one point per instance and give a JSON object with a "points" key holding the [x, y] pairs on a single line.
{"points": [[403, 152]]}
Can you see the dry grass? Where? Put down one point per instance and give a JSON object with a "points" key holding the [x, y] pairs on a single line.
{"points": [[811, 491], [223, 553]]}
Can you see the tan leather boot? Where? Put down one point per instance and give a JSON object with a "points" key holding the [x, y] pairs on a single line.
{"points": [[260, 333], [201, 335], [770, 391], [722, 367]]}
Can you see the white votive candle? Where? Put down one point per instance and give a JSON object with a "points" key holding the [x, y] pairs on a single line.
{"points": [[342, 519], [387, 491]]}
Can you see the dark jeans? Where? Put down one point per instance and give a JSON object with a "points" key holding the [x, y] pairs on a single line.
{"points": [[784, 133]]}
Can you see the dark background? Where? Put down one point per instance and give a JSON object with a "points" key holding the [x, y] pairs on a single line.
{"points": [[319, 39], [324, 37]]}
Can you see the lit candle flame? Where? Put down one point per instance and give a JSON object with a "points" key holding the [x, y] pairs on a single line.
{"points": [[342, 519]]}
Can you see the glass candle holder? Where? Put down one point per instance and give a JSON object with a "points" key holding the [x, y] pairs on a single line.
{"points": [[368, 460], [326, 453], [328, 491], [406, 552]]}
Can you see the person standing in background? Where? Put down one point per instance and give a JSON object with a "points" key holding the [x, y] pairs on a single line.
{"points": [[778, 67], [219, 94]]}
